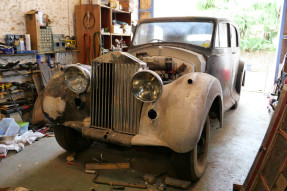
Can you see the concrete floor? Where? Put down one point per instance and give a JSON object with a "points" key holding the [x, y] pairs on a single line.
{"points": [[42, 166]]}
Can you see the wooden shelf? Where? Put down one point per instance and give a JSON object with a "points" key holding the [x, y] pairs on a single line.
{"points": [[18, 54], [114, 34], [119, 34], [120, 11], [2, 94], [18, 73], [31, 54], [106, 33], [60, 51], [104, 6]]}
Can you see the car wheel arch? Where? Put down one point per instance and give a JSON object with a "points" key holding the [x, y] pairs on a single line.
{"points": [[184, 109], [216, 110], [240, 76]]}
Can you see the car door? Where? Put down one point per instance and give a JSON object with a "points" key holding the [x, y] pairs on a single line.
{"points": [[234, 42], [220, 63]]}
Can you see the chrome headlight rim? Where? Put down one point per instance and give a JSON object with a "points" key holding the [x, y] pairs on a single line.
{"points": [[86, 74], [158, 79]]}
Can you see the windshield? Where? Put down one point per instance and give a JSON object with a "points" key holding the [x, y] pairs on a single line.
{"points": [[195, 33]]}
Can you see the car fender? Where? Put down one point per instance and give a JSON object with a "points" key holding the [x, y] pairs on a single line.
{"points": [[241, 75], [239, 81], [61, 106], [181, 112]]}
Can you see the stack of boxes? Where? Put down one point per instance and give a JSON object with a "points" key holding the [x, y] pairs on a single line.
{"points": [[21, 44]]}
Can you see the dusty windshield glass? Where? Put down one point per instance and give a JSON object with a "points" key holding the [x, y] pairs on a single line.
{"points": [[195, 33]]}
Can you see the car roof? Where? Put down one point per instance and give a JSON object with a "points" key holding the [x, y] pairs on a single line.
{"points": [[185, 19], [189, 18]]}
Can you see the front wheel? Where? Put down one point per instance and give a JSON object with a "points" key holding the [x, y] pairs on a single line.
{"points": [[190, 166], [71, 139]]}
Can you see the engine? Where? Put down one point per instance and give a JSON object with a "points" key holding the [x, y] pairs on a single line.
{"points": [[167, 68]]}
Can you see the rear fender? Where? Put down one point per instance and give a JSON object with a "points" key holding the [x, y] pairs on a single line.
{"points": [[240, 76], [181, 112]]}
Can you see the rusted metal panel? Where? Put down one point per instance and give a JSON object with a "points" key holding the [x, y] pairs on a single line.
{"points": [[109, 136]]}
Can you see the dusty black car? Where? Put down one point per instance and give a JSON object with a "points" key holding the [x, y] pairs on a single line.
{"points": [[178, 73]]}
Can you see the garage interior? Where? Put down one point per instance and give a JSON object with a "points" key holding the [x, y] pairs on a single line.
{"points": [[40, 38]]}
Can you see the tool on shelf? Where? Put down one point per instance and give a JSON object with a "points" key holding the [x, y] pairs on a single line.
{"points": [[70, 43], [97, 40], [86, 49]]}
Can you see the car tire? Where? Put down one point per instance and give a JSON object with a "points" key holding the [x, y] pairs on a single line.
{"points": [[71, 139], [191, 165]]}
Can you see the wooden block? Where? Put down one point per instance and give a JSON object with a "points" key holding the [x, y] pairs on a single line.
{"points": [[71, 157], [95, 166], [237, 187], [121, 184], [181, 184]]}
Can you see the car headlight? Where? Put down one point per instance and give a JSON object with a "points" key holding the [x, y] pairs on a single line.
{"points": [[146, 86], [77, 78]]}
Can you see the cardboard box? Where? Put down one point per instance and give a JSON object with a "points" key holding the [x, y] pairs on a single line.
{"points": [[125, 5], [33, 28]]}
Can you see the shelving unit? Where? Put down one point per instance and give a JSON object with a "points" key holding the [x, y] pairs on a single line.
{"points": [[26, 93], [103, 25], [7, 55], [41, 36]]}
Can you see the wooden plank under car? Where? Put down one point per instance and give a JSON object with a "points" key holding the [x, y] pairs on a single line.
{"points": [[95, 166]]}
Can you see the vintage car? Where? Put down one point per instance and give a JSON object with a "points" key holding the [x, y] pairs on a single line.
{"points": [[177, 74]]}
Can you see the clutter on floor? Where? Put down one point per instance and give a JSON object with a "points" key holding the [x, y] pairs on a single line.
{"points": [[15, 135], [158, 182]]}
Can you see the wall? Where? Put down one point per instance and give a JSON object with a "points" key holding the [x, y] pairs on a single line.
{"points": [[60, 12], [12, 19]]}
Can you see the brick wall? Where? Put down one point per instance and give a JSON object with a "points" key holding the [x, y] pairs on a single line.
{"points": [[60, 12]]}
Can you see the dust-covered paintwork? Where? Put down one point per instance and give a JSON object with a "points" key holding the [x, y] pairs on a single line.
{"points": [[207, 86]]}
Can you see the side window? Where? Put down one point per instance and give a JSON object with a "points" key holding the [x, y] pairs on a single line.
{"points": [[223, 35], [233, 36]]}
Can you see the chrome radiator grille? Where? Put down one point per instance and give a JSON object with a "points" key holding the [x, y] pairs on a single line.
{"points": [[113, 105]]}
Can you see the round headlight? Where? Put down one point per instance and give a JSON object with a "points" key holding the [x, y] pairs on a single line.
{"points": [[77, 78], [146, 86]]}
